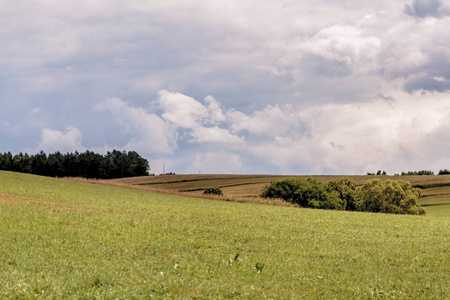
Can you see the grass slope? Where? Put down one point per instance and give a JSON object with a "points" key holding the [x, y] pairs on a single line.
{"points": [[248, 187], [62, 239]]}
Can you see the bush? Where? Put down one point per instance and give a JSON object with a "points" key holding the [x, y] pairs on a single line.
{"points": [[306, 192], [283, 189], [213, 191], [390, 196], [347, 191]]}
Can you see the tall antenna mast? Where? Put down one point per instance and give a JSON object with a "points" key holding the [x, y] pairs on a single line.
{"points": [[164, 168]]}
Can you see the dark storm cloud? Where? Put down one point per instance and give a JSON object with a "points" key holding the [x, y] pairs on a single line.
{"points": [[424, 8], [432, 84], [434, 75]]}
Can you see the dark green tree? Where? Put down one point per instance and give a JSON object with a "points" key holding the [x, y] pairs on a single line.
{"points": [[38, 163], [6, 161], [87, 164], [55, 165]]}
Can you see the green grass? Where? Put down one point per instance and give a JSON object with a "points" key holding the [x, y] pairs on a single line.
{"points": [[243, 187], [433, 201], [438, 210], [437, 191], [247, 188], [70, 240], [436, 206]]}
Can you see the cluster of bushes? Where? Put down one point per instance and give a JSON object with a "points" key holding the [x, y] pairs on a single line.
{"points": [[88, 164], [421, 172], [379, 173], [213, 191], [390, 196], [170, 173]]}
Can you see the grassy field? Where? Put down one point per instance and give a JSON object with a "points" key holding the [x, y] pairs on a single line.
{"points": [[248, 187], [62, 239]]}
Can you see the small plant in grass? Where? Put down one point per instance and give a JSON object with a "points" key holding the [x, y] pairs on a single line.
{"points": [[259, 267], [234, 261], [213, 191]]}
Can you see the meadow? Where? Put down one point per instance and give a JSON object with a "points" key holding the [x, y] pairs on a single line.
{"points": [[247, 188], [62, 239]]}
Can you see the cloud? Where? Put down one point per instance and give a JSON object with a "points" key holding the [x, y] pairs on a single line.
{"points": [[68, 141], [436, 84], [149, 133], [181, 110], [358, 138], [432, 75], [269, 122], [344, 44], [216, 163], [347, 138], [295, 86], [187, 113], [424, 8]]}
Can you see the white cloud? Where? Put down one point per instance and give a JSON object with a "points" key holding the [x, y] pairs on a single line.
{"points": [[216, 163], [185, 112], [215, 135], [181, 110], [346, 44], [351, 138], [271, 121], [68, 141], [216, 113], [149, 133]]}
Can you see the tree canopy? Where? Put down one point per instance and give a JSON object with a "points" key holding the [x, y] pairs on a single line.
{"points": [[88, 164]]}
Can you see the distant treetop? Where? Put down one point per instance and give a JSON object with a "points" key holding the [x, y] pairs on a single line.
{"points": [[115, 164], [422, 172], [444, 172]]}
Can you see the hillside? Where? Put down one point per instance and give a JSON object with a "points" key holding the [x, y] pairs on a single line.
{"points": [[65, 239], [435, 189]]}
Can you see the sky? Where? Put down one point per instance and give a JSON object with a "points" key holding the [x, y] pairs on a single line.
{"points": [[246, 87]]}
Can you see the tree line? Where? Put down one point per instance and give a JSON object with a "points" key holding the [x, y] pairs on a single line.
{"points": [[426, 172], [421, 172], [88, 164], [411, 173]]}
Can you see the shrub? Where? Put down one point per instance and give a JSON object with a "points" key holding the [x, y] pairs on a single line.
{"points": [[213, 191], [306, 192], [347, 191], [390, 196], [283, 189]]}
